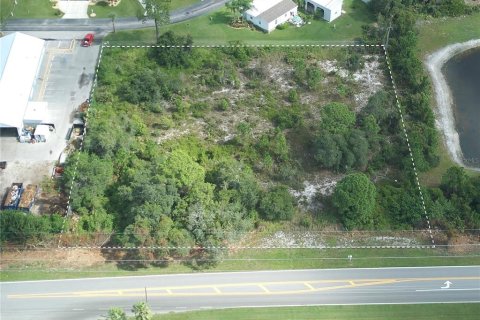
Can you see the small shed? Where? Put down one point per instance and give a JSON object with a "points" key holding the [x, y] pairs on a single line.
{"points": [[328, 9], [267, 15]]}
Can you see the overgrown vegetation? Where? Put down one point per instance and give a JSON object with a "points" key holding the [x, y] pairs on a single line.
{"points": [[20, 227], [188, 149]]}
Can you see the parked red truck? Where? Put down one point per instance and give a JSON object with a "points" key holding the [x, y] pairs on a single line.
{"points": [[87, 40]]}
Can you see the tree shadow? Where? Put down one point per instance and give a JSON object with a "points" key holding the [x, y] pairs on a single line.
{"points": [[220, 17]]}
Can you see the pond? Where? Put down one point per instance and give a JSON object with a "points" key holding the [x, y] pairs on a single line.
{"points": [[462, 73]]}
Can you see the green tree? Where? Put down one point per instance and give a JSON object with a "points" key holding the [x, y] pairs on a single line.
{"points": [[327, 151], [173, 50], [88, 181], [17, 227], [277, 204], [354, 198], [142, 311], [116, 314], [238, 7], [456, 182], [337, 118], [159, 12]]}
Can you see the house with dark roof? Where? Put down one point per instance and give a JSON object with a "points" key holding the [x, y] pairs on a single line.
{"points": [[268, 14]]}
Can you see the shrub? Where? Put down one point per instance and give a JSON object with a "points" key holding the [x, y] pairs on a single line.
{"points": [[277, 204], [283, 26], [223, 105]]}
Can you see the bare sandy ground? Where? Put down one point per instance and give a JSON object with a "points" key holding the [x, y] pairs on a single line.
{"points": [[445, 120]]}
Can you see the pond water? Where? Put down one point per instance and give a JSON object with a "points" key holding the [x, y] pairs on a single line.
{"points": [[463, 77]]}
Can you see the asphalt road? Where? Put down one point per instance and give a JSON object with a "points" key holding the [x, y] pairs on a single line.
{"points": [[91, 298], [105, 25]]}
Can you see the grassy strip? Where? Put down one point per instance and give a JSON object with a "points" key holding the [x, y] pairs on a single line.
{"points": [[250, 260], [463, 311], [29, 9], [435, 34], [214, 29], [126, 8]]}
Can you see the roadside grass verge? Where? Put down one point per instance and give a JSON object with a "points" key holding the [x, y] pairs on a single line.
{"points": [[464, 311], [214, 29], [29, 9], [126, 8], [435, 34], [244, 260]]}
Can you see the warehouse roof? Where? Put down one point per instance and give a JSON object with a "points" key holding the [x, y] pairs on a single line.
{"points": [[20, 58]]}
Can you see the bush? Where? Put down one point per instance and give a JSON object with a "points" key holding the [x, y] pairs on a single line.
{"points": [[199, 109], [283, 26], [21, 227], [223, 105], [354, 197], [277, 204]]}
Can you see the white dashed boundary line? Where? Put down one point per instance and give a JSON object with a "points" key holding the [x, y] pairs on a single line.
{"points": [[90, 96], [243, 247], [107, 45], [409, 148]]}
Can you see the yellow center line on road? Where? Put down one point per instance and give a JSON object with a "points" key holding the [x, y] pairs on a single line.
{"points": [[308, 285], [215, 289], [261, 286]]}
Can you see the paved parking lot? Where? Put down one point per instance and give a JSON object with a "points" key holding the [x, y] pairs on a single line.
{"points": [[64, 81]]}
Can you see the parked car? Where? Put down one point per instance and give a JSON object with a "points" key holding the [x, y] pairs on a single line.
{"points": [[87, 40]]}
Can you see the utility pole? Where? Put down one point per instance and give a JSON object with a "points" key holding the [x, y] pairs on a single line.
{"points": [[388, 32]]}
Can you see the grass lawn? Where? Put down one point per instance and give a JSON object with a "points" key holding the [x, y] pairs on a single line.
{"points": [[435, 34], [214, 29], [271, 259], [465, 311], [178, 4], [126, 8], [30, 9]]}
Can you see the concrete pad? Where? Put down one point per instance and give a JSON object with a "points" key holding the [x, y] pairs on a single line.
{"points": [[25, 172], [74, 9], [64, 81]]}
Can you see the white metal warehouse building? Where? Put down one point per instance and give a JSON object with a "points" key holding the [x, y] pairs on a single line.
{"points": [[21, 56], [329, 9]]}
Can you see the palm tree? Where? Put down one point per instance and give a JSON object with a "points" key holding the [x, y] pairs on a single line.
{"points": [[116, 314], [239, 6], [142, 311]]}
